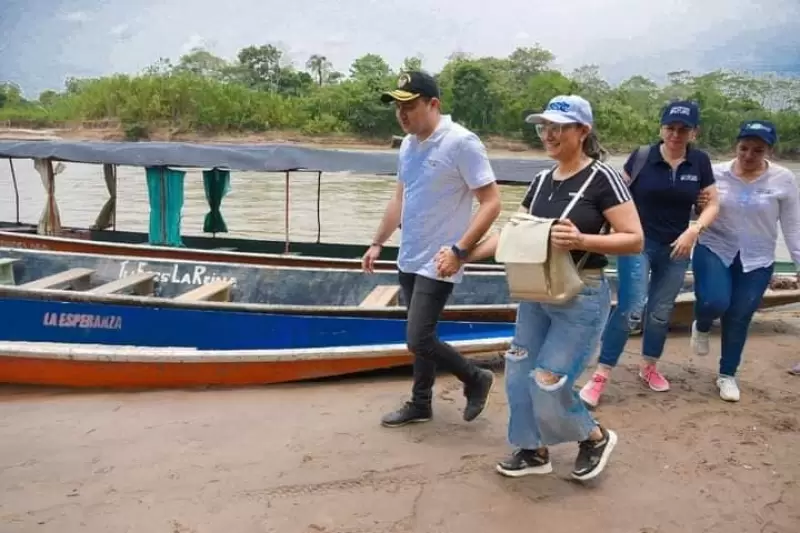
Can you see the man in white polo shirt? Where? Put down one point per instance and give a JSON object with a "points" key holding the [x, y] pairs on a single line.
{"points": [[442, 166]]}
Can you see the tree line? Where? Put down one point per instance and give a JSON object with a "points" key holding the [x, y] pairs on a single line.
{"points": [[261, 90]]}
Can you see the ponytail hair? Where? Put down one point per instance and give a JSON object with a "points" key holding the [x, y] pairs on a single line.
{"points": [[592, 147]]}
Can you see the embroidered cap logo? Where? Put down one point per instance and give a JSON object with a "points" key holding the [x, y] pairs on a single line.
{"points": [[559, 106], [403, 81], [757, 126], [680, 110]]}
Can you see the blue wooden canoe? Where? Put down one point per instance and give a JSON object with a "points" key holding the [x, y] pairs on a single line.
{"points": [[50, 337], [98, 320]]}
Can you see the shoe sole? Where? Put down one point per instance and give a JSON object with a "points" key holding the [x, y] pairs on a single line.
{"points": [[530, 471], [486, 401], [407, 422], [612, 442]]}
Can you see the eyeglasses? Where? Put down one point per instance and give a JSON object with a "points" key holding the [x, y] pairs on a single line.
{"points": [[551, 128]]}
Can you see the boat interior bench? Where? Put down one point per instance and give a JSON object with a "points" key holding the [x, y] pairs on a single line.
{"points": [[74, 278], [18, 229], [382, 296], [141, 284], [216, 291], [7, 270]]}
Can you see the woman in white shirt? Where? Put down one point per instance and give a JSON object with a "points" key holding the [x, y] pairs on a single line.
{"points": [[734, 258]]}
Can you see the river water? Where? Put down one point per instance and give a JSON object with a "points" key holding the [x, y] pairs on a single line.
{"points": [[351, 205]]}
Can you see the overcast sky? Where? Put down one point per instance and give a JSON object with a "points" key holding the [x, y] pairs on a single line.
{"points": [[44, 41]]}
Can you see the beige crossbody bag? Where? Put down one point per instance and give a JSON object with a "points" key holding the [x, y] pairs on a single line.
{"points": [[535, 270]]}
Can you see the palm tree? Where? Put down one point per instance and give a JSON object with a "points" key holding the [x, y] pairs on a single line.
{"points": [[320, 66]]}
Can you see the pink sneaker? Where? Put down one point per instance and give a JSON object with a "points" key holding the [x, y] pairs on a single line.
{"points": [[591, 392], [654, 379]]}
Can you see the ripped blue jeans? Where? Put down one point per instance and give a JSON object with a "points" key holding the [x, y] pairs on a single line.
{"points": [[559, 339], [652, 276]]}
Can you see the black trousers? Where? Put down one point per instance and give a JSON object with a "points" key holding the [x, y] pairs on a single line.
{"points": [[426, 298]]}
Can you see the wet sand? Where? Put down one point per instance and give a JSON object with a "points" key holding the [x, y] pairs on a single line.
{"points": [[313, 458]]}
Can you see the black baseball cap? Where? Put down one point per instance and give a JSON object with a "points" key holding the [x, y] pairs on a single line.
{"points": [[412, 85]]}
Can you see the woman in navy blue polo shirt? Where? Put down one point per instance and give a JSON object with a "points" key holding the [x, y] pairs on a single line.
{"points": [[665, 186], [733, 262]]}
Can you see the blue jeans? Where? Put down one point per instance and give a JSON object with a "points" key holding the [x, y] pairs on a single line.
{"points": [[559, 339], [666, 278], [728, 293]]}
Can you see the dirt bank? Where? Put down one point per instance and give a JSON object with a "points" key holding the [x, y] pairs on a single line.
{"points": [[313, 458]]}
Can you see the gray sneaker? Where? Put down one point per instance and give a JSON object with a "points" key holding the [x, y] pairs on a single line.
{"points": [[478, 394], [407, 414]]}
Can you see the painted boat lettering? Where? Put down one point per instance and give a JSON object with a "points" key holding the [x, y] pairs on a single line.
{"points": [[195, 275], [82, 320], [23, 244]]}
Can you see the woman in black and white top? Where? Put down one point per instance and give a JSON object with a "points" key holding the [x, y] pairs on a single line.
{"points": [[553, 343]]}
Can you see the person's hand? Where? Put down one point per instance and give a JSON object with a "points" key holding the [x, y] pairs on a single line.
{"points": [[682, 246], [369, 258], [447, 263], [565, 235]]}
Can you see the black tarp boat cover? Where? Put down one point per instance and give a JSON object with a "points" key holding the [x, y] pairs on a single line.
{"points": [[268, 157]]}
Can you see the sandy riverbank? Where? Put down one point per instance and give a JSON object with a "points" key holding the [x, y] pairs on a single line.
{"points": [[312, 457]]}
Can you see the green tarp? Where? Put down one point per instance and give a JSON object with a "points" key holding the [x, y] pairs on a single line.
{"points": [[216, 183], [165, 191]]}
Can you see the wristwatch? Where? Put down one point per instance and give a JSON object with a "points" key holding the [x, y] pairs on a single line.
{"points": [[461, 254]]}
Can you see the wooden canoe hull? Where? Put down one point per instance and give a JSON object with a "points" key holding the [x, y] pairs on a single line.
{"points": [[202, 249], [336, 291], [29, 316], [51, 337], [481, 297], [49, 365], [232, 250]]}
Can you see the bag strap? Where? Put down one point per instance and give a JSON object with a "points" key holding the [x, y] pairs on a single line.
{"points": [[640, 158], [569, 207], [579, 194], [585, 256], [538, 181]]}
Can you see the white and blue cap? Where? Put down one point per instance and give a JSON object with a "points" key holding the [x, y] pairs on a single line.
{"points": [[564, 109]]}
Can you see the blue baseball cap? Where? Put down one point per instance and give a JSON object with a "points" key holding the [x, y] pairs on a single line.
{"points": [[564, 109], [682, 111], [763, 129]]}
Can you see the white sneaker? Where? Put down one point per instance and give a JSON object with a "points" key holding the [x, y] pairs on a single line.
{"points": [[728, 389], [699, 341]]}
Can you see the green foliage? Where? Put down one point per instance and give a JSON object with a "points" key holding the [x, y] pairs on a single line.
{"points": [[261, 90]]}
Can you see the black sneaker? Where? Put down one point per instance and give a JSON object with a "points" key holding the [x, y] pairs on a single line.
{"points": [[477, 394], [407, 414], [593, 455], [525, 463]]}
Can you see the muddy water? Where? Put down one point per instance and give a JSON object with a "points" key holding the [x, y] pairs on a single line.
{"points": [[350, 205]]}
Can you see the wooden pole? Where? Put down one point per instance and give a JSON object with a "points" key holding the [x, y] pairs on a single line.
{"points": [[16, 187], [319, 190], [286, 214]]}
